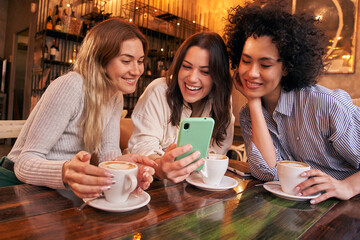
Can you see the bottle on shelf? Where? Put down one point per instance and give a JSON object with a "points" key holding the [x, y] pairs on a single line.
{"points": [[49, 21], [160, 66], [73, 55], [148, 70], [57, 53], [58, 21], [72, 14], [55, 12], [64, 20], [163, 71], [53, 50], [46, 52]]}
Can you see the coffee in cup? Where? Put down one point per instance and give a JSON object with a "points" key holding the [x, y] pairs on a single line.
{"points": [[289, 175], [125, 180], [118, 165], [214, 169]]}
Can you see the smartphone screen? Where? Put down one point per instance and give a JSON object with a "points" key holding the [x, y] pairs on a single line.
{"points": [[197, 132]]}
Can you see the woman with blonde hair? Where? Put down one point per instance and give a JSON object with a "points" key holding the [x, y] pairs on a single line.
{"points": [[79, 114]]}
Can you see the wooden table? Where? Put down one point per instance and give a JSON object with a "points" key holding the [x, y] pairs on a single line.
{"points": [[177, 211]]}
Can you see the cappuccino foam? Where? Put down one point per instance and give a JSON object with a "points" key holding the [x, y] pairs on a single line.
{"points": [[216, 157], [292, 164], [118, 165]]}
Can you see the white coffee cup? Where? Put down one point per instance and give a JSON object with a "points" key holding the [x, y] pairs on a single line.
{"points": [[125, 180], [289, 175], [214, 169]]}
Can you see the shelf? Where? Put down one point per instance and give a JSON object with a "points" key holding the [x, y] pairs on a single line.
{"points": [[53, 62], [62, 35], [138, 8], [95, 16], [168, 17], [151, 32]]}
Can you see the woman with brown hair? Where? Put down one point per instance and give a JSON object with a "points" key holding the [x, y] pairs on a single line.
{"points": [[198, 84]]}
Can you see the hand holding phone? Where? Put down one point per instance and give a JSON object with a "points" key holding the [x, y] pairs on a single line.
{"points": [[197, 132]]}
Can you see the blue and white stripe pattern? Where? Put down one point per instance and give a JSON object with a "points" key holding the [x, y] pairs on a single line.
{"points": [[314, 125]]}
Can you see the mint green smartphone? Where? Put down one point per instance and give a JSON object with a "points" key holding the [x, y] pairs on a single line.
{"points": [[197, 132]]}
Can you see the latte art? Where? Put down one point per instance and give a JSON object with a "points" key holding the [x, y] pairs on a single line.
{"points": [[117, 165], [294, 164]]}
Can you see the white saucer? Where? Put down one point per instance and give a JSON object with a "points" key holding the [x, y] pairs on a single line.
{"points": [[275, 188], [134, 201], [226, 183]]}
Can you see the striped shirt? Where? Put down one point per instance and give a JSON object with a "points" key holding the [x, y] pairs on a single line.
{"points": [[315, 125]]}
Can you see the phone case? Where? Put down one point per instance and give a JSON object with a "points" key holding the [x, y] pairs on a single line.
{"points": [[197, 132]]}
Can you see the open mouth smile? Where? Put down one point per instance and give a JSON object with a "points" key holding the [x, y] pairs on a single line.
{"points": [[192, 88]]}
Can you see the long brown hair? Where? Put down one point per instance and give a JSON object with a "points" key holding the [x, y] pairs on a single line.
{"points": [[220, 75], [100, 45]]}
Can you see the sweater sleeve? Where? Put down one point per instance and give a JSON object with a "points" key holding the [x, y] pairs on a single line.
{"points": [[59, 105], [150, 122]]}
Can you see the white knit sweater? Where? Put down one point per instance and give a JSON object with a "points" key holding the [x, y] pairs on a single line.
{"points": [[51, 134]]}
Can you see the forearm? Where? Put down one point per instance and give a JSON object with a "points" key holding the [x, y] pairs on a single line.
{"points": [[260, 133], [41, 172]]}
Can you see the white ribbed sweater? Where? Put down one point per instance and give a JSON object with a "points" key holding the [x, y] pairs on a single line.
{"points": [[51, 135]]}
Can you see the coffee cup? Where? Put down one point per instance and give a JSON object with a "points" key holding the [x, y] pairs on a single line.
{"points": [[289, 175], [214, 169], [125, 180]]}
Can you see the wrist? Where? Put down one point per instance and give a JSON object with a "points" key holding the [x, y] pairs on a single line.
{"points": [[353, 189], [159, 174], [254, 102]]}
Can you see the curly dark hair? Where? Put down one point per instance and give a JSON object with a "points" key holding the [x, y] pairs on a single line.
{"points": [[219, 70], [301, 44]]}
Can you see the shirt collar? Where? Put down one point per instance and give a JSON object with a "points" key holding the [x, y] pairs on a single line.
{"points": [[286, 103]]}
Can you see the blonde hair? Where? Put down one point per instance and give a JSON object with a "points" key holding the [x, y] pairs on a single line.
{"points": [[100, 45]]}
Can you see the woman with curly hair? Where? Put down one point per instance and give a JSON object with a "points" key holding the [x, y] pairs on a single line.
{"points": [[198, 84], [278, 57]]}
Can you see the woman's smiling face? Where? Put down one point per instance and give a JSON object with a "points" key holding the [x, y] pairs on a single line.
{"points": [[260, 68], [194, 79], [126, 68]]}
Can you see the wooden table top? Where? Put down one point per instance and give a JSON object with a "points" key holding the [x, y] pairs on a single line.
{"points": [[177, 211]]}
